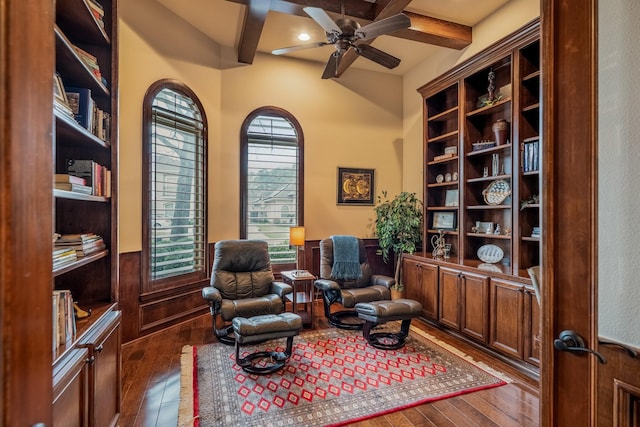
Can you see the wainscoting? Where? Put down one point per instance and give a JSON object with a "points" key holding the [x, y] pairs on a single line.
{"points": [[145, 313]]}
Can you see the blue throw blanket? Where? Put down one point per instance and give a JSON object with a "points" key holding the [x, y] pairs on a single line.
{"points": [[346, 258]]}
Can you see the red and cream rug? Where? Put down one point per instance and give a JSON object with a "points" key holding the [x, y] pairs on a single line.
{"points": [[332, 378]]}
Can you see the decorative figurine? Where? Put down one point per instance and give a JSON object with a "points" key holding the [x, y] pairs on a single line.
{"points": [[492, 87]]}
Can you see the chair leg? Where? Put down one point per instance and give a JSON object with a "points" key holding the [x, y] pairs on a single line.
{"points": [[277, 359], [386, 340], [336, 319]]}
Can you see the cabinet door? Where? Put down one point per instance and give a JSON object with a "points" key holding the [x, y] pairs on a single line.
{"points": [[533, 325], [474, 309], [412, 280], [507, 317], [104, 371], [70, 382], [429, 279], [449, 303]]}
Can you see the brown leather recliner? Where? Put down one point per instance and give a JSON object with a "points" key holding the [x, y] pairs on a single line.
{"points": [[369, 287], [242, 285]]}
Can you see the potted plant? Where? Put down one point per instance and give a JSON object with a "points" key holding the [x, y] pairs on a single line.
{"points": [[398, 227]]}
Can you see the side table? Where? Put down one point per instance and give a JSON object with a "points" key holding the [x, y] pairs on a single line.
{"points": [[302, 296]]}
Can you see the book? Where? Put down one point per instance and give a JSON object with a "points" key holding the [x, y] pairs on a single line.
{"points": [[82, 105], [78, 237], [66, 178], [76, 188], [93, 172]]}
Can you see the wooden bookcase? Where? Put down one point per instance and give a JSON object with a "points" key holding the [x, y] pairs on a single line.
{"points": [[87, 369], [464, 162]]}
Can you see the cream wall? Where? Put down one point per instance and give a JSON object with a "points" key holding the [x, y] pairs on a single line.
{"points": [[355, 121], [504, 21], [618, 172]]}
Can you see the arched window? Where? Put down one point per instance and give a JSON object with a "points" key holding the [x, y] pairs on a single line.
{"points": [[174, 187], [272, 166]]}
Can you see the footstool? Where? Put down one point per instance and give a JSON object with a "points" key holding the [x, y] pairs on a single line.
{"points": [[262, 328], [379, 312]]}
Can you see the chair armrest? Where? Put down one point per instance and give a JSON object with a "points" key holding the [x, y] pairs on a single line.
{"points": [[327, 285], [213, 297], [379, 279], [281, 289]]}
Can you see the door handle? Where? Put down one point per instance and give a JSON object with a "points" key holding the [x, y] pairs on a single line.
{"points": [[572, 342]]}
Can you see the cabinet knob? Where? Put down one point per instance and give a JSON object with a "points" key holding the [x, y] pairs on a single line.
{"points": [[99, 348], [91, 360]]}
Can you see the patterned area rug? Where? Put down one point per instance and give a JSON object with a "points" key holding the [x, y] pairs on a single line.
{"points": [[334, 377]]}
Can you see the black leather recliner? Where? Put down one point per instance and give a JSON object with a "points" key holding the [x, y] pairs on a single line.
{"points": [[242, 285], [370, 287]]}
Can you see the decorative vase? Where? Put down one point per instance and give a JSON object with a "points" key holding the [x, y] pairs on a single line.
{"points": [[501, 131], [396, 294]]}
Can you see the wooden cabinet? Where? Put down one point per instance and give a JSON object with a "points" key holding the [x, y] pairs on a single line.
{"points": [[507, 324], [533, 328], [449, 293], [481, 157], [70, 390], [421, 284]]}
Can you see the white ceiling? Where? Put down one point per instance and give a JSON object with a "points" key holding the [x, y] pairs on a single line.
{"points": [[221, 20]]}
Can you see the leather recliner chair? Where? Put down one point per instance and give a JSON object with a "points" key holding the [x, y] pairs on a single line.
{"points": [[369, 287], [242, 285]]}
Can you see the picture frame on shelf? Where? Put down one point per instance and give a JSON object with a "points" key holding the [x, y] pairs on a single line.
{"points": [[355, 186], [444, 221], [451, 198]]}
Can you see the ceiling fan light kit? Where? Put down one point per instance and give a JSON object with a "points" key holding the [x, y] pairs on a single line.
{"points": [[345, 33]]}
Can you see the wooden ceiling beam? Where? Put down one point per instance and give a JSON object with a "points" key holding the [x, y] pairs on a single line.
{"points": [[254, 18], [426, 29]]}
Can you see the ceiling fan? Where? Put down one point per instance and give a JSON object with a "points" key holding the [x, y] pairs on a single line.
{"points": [[345, 33]]}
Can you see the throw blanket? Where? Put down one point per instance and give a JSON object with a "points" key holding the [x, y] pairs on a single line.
{"points": [[346, 258]]}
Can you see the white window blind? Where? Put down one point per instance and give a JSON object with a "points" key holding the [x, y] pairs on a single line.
{"points": [[272, 184], [177, 196]]}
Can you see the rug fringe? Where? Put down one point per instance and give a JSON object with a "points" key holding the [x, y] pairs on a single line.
{"points": [[463, 355], [185, 410]]}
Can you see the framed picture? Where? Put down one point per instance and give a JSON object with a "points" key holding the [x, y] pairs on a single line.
{"points": [[451, 198], [355, 186], [444, 220]]}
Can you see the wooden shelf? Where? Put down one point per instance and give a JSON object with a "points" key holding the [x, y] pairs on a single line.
{"points": [[444, 137], [488, 236], [71, 133], [446, 232], [79, 263], [488, 207], [63, 194], [489, 178], [489, 109], [490, 150], [531, 239], [449, 114], [532, 107], [442, 208], [531, 139], [532, 76], [442, 184], [79, 22], [447, 160]]}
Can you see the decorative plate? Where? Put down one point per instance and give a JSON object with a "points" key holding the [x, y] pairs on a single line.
{"points": [[489, 267], [490, 254], [439, 178], [496, 192], [454, 176], [447, 177]]}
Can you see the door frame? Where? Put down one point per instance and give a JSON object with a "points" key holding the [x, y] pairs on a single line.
{"points": [[569, 208]]}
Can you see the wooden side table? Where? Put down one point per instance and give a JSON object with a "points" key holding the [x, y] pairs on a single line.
{"points": [[302, 295]]}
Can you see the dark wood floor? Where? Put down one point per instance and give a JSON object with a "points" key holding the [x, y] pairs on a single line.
{"points": [[151, 386]]}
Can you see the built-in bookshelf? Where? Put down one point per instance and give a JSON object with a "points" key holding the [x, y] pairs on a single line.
{"points": [[85, 205]]}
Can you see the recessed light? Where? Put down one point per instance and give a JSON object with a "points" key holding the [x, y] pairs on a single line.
{"points": [[304, 37]]}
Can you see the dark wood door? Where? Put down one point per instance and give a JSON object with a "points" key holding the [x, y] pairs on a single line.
{"points": [[26, 119], [429, 277], [569, 223]]}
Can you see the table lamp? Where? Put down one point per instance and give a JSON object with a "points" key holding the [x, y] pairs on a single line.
{"points": [[296, 238]]}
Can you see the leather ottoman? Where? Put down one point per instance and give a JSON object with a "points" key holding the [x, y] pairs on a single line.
{"points": [[379, 312], [262, 328]]}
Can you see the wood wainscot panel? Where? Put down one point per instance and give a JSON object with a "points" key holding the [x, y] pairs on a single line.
{"points": [[129, 299], [165, 312], [618, 394]]}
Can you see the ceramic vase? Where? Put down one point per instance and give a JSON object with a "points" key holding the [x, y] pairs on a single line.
{"points": [[501, 131]]}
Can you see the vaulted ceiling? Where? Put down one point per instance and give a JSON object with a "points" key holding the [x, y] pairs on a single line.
{"points": [[250, 26]]}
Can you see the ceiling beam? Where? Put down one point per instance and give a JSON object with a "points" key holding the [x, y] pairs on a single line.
{"points": [[426, 29], [254, 17]]}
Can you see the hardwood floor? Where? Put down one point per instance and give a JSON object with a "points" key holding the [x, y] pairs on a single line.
{"points": [[151, 386]]}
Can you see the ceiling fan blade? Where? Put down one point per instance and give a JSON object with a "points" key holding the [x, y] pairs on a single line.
{"points": [[331, 70], [383, 26], [376, 55], [323, 19], [284, 50]]}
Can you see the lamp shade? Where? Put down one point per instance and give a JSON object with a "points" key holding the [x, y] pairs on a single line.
{"points": [[296, 236]]}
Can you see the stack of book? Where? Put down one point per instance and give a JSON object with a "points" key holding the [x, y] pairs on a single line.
{"points": [[98, 176], [529, 155], [98, 12], [81, 244], [66, 182], [89, 60], [535, 232], [63, 256], [64, 321]]}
